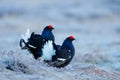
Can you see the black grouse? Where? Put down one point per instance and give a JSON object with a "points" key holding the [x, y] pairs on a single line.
{"points": [[35, 42]]}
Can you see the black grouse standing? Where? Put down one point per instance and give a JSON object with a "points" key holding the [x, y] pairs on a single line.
{"points": [[64, 54], [36, 42]]}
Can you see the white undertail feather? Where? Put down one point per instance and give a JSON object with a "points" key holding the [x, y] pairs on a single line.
{"points": [[61, 59], [26, 36], [48, 51]]}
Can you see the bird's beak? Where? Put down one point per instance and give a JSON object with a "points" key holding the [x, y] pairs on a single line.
{"points": [[52, 28]]}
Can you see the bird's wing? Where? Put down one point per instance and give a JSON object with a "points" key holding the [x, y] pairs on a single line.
{"points": [[63, 57], [65, 53], [56, 63]]}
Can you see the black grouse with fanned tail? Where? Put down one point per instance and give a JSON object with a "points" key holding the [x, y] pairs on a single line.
{"points": [[36, 42]]}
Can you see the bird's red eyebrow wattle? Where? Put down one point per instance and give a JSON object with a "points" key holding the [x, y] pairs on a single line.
{"points": [[71, 37], [50, 26]]}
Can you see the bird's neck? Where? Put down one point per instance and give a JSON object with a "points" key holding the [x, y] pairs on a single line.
{"points": [[47, 34]]}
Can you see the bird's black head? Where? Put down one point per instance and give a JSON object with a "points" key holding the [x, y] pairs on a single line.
{"points": [[68, 41], [71, 38], [49, 27]]}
